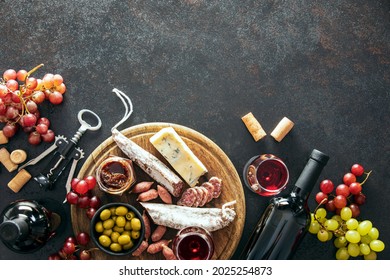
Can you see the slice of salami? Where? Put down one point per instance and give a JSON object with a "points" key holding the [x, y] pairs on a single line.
{"points": [[204, 197], [210, 190], [199, 196], [217, 183], [188, 198]]}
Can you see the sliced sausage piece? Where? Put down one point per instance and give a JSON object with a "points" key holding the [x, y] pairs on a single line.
{"points": [[217, 183], [188, 198], [204, 197], [210, 190]]}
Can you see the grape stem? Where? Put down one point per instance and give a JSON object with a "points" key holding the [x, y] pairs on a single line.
{"points": [[367, 175], [33, 70]]}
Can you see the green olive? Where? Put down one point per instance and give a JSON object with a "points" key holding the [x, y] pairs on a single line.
{"points": [[126, 232], [104, 240], [118, 229], [105, 214], [114, 236], [128, 245], [108, 224], [99, 227], [115, 247], [112, 210], [121, 211], [128, 225], [135, 224], [107, 232], [120, 221], [135, 234], [124, 239], [130, 215]]}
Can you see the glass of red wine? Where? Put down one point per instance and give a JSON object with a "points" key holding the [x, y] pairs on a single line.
{"points": [[193, 243], [266, 175]]}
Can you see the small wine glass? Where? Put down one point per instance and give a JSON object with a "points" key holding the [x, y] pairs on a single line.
{"points": [[193, 243], [266, 174]]}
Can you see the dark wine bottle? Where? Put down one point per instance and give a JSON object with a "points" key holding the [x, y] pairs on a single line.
{"points": [[26, 225], [286, 219]]}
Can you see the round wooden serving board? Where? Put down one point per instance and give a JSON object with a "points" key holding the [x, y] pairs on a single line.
{"points": [[215, 160]]}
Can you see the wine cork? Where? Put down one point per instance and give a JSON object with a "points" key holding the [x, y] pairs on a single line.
{"points": [[6, 161], [281, 130], [253, 126], [19, 180], [18, 156], [3, 138]]}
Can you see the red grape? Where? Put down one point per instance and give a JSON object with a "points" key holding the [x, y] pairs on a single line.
{"points": [[342, 189], [31, 106], [349, 178], [41, 128], [48, 136], [72, 198], [90, 212], [82, 238], [9, 74], [31, 83], [321, 198], [326, 186], [11, 112], [69, 248], [44, 121], [85, 255], [57, 80], [355, 188], [29, 120], [56, 98], [340, 201], [71, 239], [359, 198], [329, 206], [83, 202], [9, 130], [81, 187], [95, 202], [21, 75], [91, 181], [357, 170], [12, 85], [34, 138], [38, 97], [3, 91], [355, 210]]}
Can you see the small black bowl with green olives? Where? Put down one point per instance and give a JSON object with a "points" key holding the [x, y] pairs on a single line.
{"points": [[117, 228]]}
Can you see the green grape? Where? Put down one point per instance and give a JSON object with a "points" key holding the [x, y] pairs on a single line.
{"points": [[364, 249], [314, 227], [331, 225], [352, 223], [340, 242], [353, 249], [322, 235], [352, 236], [342, 254], [377, 245], [330, 235], [371, 256], [364, 227], [312, 219], [337, 218], [346, 213], [366, 239], [373, 233], [320, 214]]}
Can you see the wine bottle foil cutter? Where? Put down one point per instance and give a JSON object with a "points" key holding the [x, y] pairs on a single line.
{"points": [[65, 151]]}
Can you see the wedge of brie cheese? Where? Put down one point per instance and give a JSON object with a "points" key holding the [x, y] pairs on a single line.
{"points": [[172, 147]]}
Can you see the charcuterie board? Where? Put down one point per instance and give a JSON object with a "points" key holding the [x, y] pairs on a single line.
{"points": [[217, 163]]}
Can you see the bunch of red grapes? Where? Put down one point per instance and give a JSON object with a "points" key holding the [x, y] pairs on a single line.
{"points": [[74, 248], [348, 193], [20, 95], [80, 195]]}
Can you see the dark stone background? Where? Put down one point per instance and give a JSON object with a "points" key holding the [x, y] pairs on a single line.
{"points": [[204, 64]]}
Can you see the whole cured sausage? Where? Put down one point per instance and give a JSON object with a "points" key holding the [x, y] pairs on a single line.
{"points": [[178, 217]]}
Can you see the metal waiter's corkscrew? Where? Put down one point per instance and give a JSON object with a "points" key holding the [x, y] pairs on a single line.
{"points": [[65, 152]]}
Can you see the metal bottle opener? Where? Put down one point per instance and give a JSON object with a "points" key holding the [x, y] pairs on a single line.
{"points": [[65, 152]]}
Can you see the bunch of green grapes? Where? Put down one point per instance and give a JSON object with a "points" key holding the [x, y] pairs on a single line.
{"points": [[351, 237]]}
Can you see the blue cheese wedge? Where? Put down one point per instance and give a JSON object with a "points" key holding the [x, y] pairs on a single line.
{"points": [[172, 147]]}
